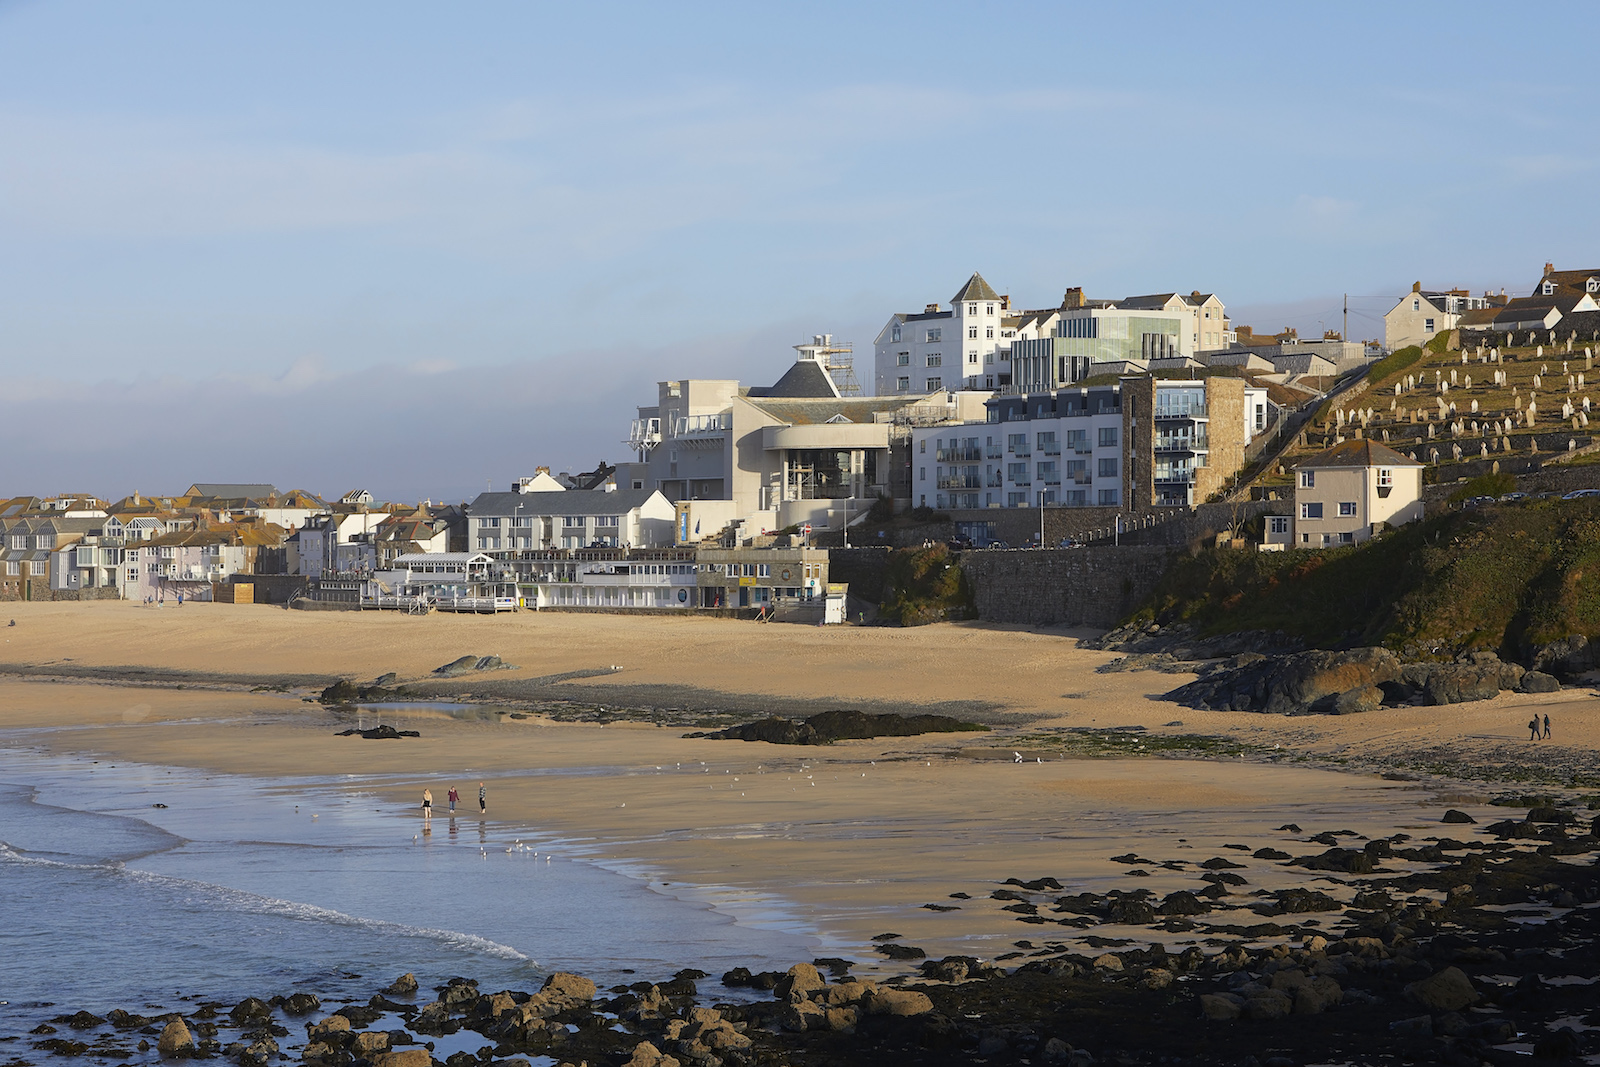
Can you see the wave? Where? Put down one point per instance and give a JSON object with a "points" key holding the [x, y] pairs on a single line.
{"points": [[211, 895]]}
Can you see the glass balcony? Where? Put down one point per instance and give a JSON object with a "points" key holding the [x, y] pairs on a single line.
{"points": [[959, 455], [966, 481], [1182, 442]]}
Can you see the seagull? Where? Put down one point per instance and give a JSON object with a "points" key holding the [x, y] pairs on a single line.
{"points": [[1018, 755]]}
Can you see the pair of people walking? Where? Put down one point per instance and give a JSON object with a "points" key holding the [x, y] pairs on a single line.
{"points": [[1534, 732]]}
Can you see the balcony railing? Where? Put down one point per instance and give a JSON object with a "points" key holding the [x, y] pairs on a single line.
{"points": [[1182, 477], [1023, 451], [1051, 449], [702, 426], [1183, 443], [1182, 411], [993, 452], [994, 482], [964, 482], [959, 455]]}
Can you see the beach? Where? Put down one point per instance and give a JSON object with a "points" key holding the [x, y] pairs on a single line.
{"points": [[836, 845]]}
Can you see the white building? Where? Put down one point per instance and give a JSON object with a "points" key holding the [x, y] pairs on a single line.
{"points": [[569, 518], [1347, 494], [964, 346]]}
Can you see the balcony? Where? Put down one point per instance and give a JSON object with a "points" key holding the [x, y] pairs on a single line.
{"points": [[1183, 442], [994, 482], [644, 434], [693, 429], [1050, 450], [959, 455], [992, 452], [1023, 452], [1175, 477], [1183, 411], [968, 481]]}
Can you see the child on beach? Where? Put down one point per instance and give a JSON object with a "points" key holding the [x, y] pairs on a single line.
{"points": [[427, 804]]}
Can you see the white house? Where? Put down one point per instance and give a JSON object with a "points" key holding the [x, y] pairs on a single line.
{"points": [[1347, 494], [964, 346], [570, 518]]}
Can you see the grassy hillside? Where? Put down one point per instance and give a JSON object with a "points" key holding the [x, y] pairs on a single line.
{"points": [[1507, 578]]}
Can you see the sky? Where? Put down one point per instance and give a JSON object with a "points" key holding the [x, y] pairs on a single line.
{"points": [[422, 248]]}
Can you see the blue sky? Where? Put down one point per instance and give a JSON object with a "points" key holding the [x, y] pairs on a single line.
{"points": [[422, 248]]}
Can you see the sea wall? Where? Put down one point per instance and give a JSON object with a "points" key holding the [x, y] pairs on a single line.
{"points": [[1095, 586]]}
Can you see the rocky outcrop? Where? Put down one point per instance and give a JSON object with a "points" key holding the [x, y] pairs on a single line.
{"points": [[845, 724], [175, 1039], [1316, 681]]}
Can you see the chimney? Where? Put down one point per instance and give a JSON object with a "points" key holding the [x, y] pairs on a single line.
{"points": [[1549, 268], [1416, 287], [1073, 297], [1195, 296], [1005, 302]]}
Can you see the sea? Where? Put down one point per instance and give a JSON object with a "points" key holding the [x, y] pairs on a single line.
{"points": [[150, 888]]}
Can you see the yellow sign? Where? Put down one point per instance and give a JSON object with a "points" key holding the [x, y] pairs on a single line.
{"points": [[747, 580]]}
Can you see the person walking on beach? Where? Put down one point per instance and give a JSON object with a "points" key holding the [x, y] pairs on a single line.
{"points": [[1547, 727], [452, 797], [483, 798], [1533, 728], [427, 804]]}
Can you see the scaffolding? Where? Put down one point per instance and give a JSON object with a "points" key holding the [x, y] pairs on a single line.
{"points": [[839, 359]]}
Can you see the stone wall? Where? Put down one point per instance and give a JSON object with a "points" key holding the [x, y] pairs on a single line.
{"points": [[1225, 403], [19, 589], [1095, 586]]}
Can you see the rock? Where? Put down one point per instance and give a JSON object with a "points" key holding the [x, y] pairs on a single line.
{"points": [[259, 1053], [803, 1015], [333, 1024], [1221, 1007], [250, 1009], [1303, 901], [1456, 816], [1564, 1044], [897, 1002], [845, 993], [1459, 683], [1302, 682], [457, 666], [458, 994], [1316, 995], [317, 1052], [301, 1003], [497, 1005], [842, 1020], [1539, 682], [647, 1055], [1107, 962], [175, 1039], [1447, 990], [369, 1043], [1131, 911], [1183, 902], [1348, 860], [802, 978], [409, 1057], [1268, 1004], [1055, 1051], [1566, 658], [405, 985], [1156, 978], [1420, 1026], [561, 992]]}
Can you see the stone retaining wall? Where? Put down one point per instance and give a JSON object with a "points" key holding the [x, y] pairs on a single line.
{"points": [[1095, 586]]}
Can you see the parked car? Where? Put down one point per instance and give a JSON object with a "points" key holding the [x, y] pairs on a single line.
{"points": [[1579, 494], [1512, 498], [998, 544], [1070, 542], [1478, 502]]}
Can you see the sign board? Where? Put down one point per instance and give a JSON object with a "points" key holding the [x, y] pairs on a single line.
{"points": [[747, 580]]}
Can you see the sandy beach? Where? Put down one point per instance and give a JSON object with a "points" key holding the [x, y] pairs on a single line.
{"points": [[860, 836]]}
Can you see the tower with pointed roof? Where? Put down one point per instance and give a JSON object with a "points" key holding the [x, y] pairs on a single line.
{"points": [[963, 346]]}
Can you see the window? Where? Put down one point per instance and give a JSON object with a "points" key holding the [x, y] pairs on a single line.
{"points": [[1416, 305], [902, 385], [988, 358], [1427, 325], [988, 332], [1347, 508], [935, 359], [1017, 443], [972, 333], [1107, 468], [935, 384], [14, 569], [903, 359], [988, 309], [894, 332], [922, 474], [1549, 288], [1385, 478], [972, 355], [1347, 538], [1279, 524], [1308, 479], [1311, 511], [922, 445], [1047, 444], [1107, 498], [1017, 472], [935, 334], [1016, 500], [1108, 436], [972, 309]]}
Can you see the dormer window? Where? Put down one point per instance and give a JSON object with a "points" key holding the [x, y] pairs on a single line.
{"points": [[1593, 286], [1549, 289]]}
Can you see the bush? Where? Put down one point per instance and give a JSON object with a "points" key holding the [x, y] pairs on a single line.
{"points": [[1496, 483], [925, 585]]}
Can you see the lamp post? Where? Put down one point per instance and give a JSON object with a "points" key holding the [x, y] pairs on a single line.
{"points": [[1041, 518]]}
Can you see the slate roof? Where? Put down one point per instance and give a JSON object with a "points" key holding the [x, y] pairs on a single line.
{"points": [[1364, 452], [231, 490], [807, 378], [814, 412], [975, 289], [571, 502]]}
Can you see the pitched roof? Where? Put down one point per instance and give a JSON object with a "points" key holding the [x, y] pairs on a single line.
{"points": [[571, 502], [975, 289], [814, 412], [231, 490], [807, 378], [1360, 452]]}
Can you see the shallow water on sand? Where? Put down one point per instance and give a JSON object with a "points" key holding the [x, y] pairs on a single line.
{"points": [[242, 886]]}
